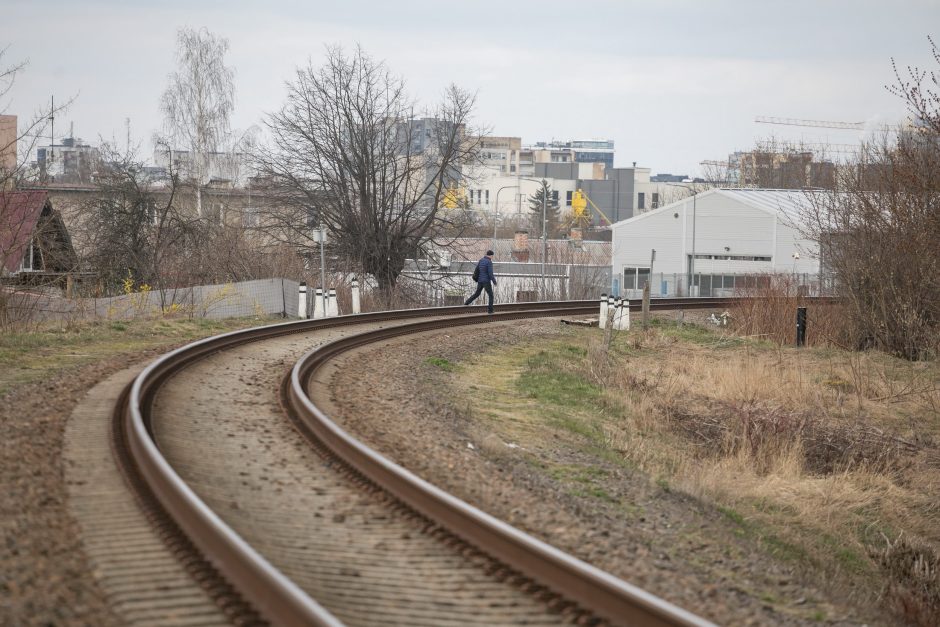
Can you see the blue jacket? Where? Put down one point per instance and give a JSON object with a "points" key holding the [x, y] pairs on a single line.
{"points": [[486, 271]]}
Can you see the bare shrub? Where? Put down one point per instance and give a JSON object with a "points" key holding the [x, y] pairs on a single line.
{"points": [[763, 432], [914, 580], [878, 230], [769, 312]]}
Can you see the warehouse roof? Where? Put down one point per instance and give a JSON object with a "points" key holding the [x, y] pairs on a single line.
{"points": [[790, 205]]}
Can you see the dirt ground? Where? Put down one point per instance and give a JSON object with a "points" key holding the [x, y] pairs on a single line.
{"points": [[46, 578], [415, 407]]}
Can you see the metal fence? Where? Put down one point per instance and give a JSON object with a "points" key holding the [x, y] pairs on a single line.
{"points": [[516, 281], [718, 285]]}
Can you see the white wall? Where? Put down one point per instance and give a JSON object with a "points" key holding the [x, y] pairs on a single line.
{"points": [[510, 202], [724, 226]]}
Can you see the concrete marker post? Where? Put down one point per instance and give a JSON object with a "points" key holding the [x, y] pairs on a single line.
{"points": [[355, 297], [332, 307], [302, 300], [623, 316], [318, 311], [602, 319], [609, 323]]}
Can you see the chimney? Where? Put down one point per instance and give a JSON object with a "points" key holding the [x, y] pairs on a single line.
{"points": [[520, 246]]}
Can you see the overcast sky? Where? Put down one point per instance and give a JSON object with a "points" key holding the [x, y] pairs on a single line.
{"points": [[672, 82]]}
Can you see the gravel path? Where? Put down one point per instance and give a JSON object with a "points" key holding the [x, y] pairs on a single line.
{"points": [[46, 578], [220, 426]]}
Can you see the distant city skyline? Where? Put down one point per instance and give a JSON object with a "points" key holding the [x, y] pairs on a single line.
{"points": [[672, 83]]}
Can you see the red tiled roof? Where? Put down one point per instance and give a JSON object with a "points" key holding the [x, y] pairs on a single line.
{"points": [[19, 213]]}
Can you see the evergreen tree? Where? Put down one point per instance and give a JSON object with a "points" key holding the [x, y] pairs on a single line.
{"points": [[552, 216]]}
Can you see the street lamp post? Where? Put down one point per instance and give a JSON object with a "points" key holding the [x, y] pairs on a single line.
{"points": [[496, 217], [694, 197], [544, 224], [544, 236]]}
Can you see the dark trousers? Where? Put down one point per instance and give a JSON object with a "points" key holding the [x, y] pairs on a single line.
{"points": [[489, 291]]}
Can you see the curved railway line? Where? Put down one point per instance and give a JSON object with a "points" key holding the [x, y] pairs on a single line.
{"points": [[295, 522]]}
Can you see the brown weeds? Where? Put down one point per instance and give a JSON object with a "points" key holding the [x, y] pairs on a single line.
{"points": [[812, 445], [914, 580], [769, 312]]}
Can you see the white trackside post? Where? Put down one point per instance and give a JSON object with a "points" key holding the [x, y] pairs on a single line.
{"points": [[355, 296], [332, 307], [318, 304], [622, 320], [302, 300], [603, 314]]}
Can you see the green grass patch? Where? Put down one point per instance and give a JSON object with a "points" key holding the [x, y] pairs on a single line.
{"points": [[782, 549], [546, 380], [594, 493], [733, 515], [576, 425], [443, 364]]}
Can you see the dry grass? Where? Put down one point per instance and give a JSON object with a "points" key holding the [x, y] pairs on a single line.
{"points": [[830, 458], [769, 312], [46, 349], [825, 458]]}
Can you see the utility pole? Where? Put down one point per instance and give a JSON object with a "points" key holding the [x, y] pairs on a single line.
{"points": [[544, 236], [51, 135]]}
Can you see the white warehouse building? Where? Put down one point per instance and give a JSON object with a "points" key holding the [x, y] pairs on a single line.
{"points": [[735, 235]]}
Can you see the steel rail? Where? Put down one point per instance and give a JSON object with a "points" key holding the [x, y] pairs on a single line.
{"points": [[277, 598], [593, 589]]}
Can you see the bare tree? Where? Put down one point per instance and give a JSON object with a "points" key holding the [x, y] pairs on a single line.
{"points": [[350, 154], [878, 232], [920, 89], [20, 231], [132, 227], [198, 102], [21, 136]]}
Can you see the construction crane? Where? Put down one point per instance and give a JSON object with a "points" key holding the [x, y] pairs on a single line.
{"points": [[848, 126], [580, 217]]}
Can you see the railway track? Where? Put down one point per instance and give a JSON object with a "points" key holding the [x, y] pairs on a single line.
{"points": [[319, 529]]}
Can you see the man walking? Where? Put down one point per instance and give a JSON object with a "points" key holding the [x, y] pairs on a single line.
{"points": [[485, 280]]}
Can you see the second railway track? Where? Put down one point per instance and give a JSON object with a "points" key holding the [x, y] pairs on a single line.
{"points": [[337, 534]]}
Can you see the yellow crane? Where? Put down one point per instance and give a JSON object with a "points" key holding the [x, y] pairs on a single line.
{"points": [[580, 217]]}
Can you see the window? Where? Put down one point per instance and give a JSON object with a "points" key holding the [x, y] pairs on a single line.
{"points": [[512, 168], [568, 196], [635, 278], [555, 196], [487, 196], [641, 201], [732, 257], [655, 200]]}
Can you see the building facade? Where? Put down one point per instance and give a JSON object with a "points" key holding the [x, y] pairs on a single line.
{"points": [[716, 235]]}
